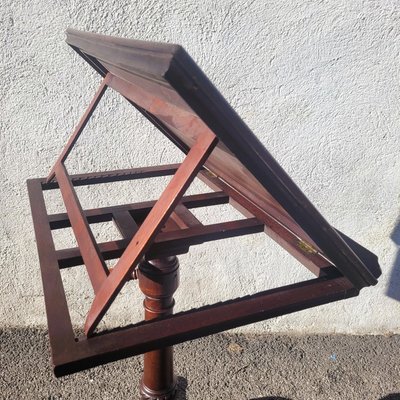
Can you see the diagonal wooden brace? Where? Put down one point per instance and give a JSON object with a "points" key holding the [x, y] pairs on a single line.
{"points": [[94, 262], [80, 127], [148, 230]]}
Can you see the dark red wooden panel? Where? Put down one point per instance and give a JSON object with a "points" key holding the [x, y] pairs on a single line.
{"points": [[167, 86]]}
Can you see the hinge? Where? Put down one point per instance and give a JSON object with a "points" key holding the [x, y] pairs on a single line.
{"points": [[306, 247]]}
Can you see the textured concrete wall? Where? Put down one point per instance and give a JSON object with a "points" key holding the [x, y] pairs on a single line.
{"points": [[317, 81]]}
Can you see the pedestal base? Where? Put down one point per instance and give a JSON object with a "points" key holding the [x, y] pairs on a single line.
{"points": [[158, 280], [148, 394]]}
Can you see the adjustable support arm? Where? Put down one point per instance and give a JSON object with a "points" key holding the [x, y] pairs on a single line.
{"points": [[80, 127], [151, 226]]}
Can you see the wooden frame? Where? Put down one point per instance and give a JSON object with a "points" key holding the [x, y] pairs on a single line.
{"points": [[71, 353], [167, 87]]}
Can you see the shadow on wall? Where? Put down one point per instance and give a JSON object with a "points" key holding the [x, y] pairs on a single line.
{"points": [[181, 388], [393, 290]]}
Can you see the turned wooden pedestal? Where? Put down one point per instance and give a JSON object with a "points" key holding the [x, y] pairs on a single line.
{"points": [[158, 280]]}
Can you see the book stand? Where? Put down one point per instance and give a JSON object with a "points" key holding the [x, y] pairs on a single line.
{"points": [[167, 87]]}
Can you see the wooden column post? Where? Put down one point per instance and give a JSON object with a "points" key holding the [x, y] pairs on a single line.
{"points": [[158, 280]]}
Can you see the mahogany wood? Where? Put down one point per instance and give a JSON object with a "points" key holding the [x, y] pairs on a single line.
{"points": [[168, 243], [70, 355], [167, 86], [299, 248], [164, 84], [81, 126], [125, 223], [139, 210], [158, 280], [93, 178], [149, 229], [184, 218], [95, 265], [61, 334], [180, 121]]}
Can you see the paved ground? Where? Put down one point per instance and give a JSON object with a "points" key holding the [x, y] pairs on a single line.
{"points": [[219, 367]]}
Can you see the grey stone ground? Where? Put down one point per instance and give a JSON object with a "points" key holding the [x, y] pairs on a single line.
{"points": [[227, 366]]}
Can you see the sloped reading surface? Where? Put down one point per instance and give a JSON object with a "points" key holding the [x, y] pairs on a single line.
{"points": [[167, 86]]}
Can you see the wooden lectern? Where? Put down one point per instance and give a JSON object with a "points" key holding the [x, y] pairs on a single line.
{"points": [[164, 84]]}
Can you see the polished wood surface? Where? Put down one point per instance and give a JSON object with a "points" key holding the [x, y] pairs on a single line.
{"points": [[143, 238], [158, 280], [167, 86], [80, 127], [95, 265], [71, 353]]}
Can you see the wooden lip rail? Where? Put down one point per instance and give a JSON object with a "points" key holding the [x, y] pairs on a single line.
{"points": [[193, 324]]}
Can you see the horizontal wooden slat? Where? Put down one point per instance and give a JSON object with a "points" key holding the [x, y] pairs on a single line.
{"points": [[59, 221], [118, 175], [169, 241], [201, 233]]}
